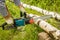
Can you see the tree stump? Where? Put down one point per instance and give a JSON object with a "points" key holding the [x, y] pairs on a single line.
{"points": [[44, 36]]}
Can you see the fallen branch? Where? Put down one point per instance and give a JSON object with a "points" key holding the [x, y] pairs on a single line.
{"points": [[45, 12], [46, 26]]}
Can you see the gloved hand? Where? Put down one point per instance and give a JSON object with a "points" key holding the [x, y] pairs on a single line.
{"points": [[23, 14]]}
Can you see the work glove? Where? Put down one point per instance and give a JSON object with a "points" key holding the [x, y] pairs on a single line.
{"points": [[23, 14]]}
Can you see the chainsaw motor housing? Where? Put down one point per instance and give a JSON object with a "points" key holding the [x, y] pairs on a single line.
{"points": [[19, 22]]}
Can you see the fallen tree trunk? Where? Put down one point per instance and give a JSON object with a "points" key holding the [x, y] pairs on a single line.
{"points": [[45, 12], [46, 26]]}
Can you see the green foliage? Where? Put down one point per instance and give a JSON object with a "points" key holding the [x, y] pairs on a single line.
{"points": [[29, 33], [54, 23]]}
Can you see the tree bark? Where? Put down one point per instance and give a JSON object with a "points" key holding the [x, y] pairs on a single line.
{"points": [[45, 12]]}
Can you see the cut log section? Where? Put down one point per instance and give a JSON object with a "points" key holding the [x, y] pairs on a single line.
{"points": [[46, 26], [44, 36], [45, 12]]}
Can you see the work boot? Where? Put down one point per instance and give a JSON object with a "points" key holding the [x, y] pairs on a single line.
{"points": [[4, 25], [8, 19]]}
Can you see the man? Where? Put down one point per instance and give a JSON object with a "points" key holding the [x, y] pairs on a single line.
{"points": [[5, 13]]}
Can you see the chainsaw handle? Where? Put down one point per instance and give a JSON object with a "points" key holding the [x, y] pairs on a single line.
{"points": [[23, 14]]}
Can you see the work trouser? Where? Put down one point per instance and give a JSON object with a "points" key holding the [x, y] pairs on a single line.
{"points": [[3, 10]]}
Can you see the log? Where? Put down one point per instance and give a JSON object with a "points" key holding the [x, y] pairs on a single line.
{"points": [[45, 12], [46, 26], [44, 36]]}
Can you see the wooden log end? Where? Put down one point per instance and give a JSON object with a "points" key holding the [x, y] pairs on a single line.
{"points": [[44, 36]]}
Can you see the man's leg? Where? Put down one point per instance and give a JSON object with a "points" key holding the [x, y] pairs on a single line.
{"points": [[17, 2], [5, 13]]}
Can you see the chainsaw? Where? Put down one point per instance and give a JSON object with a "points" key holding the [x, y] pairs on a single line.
{"points": [[22, 21], [18, 22]]}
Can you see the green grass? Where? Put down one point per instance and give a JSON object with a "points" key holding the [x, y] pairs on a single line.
{"points": [[54, 22]]}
